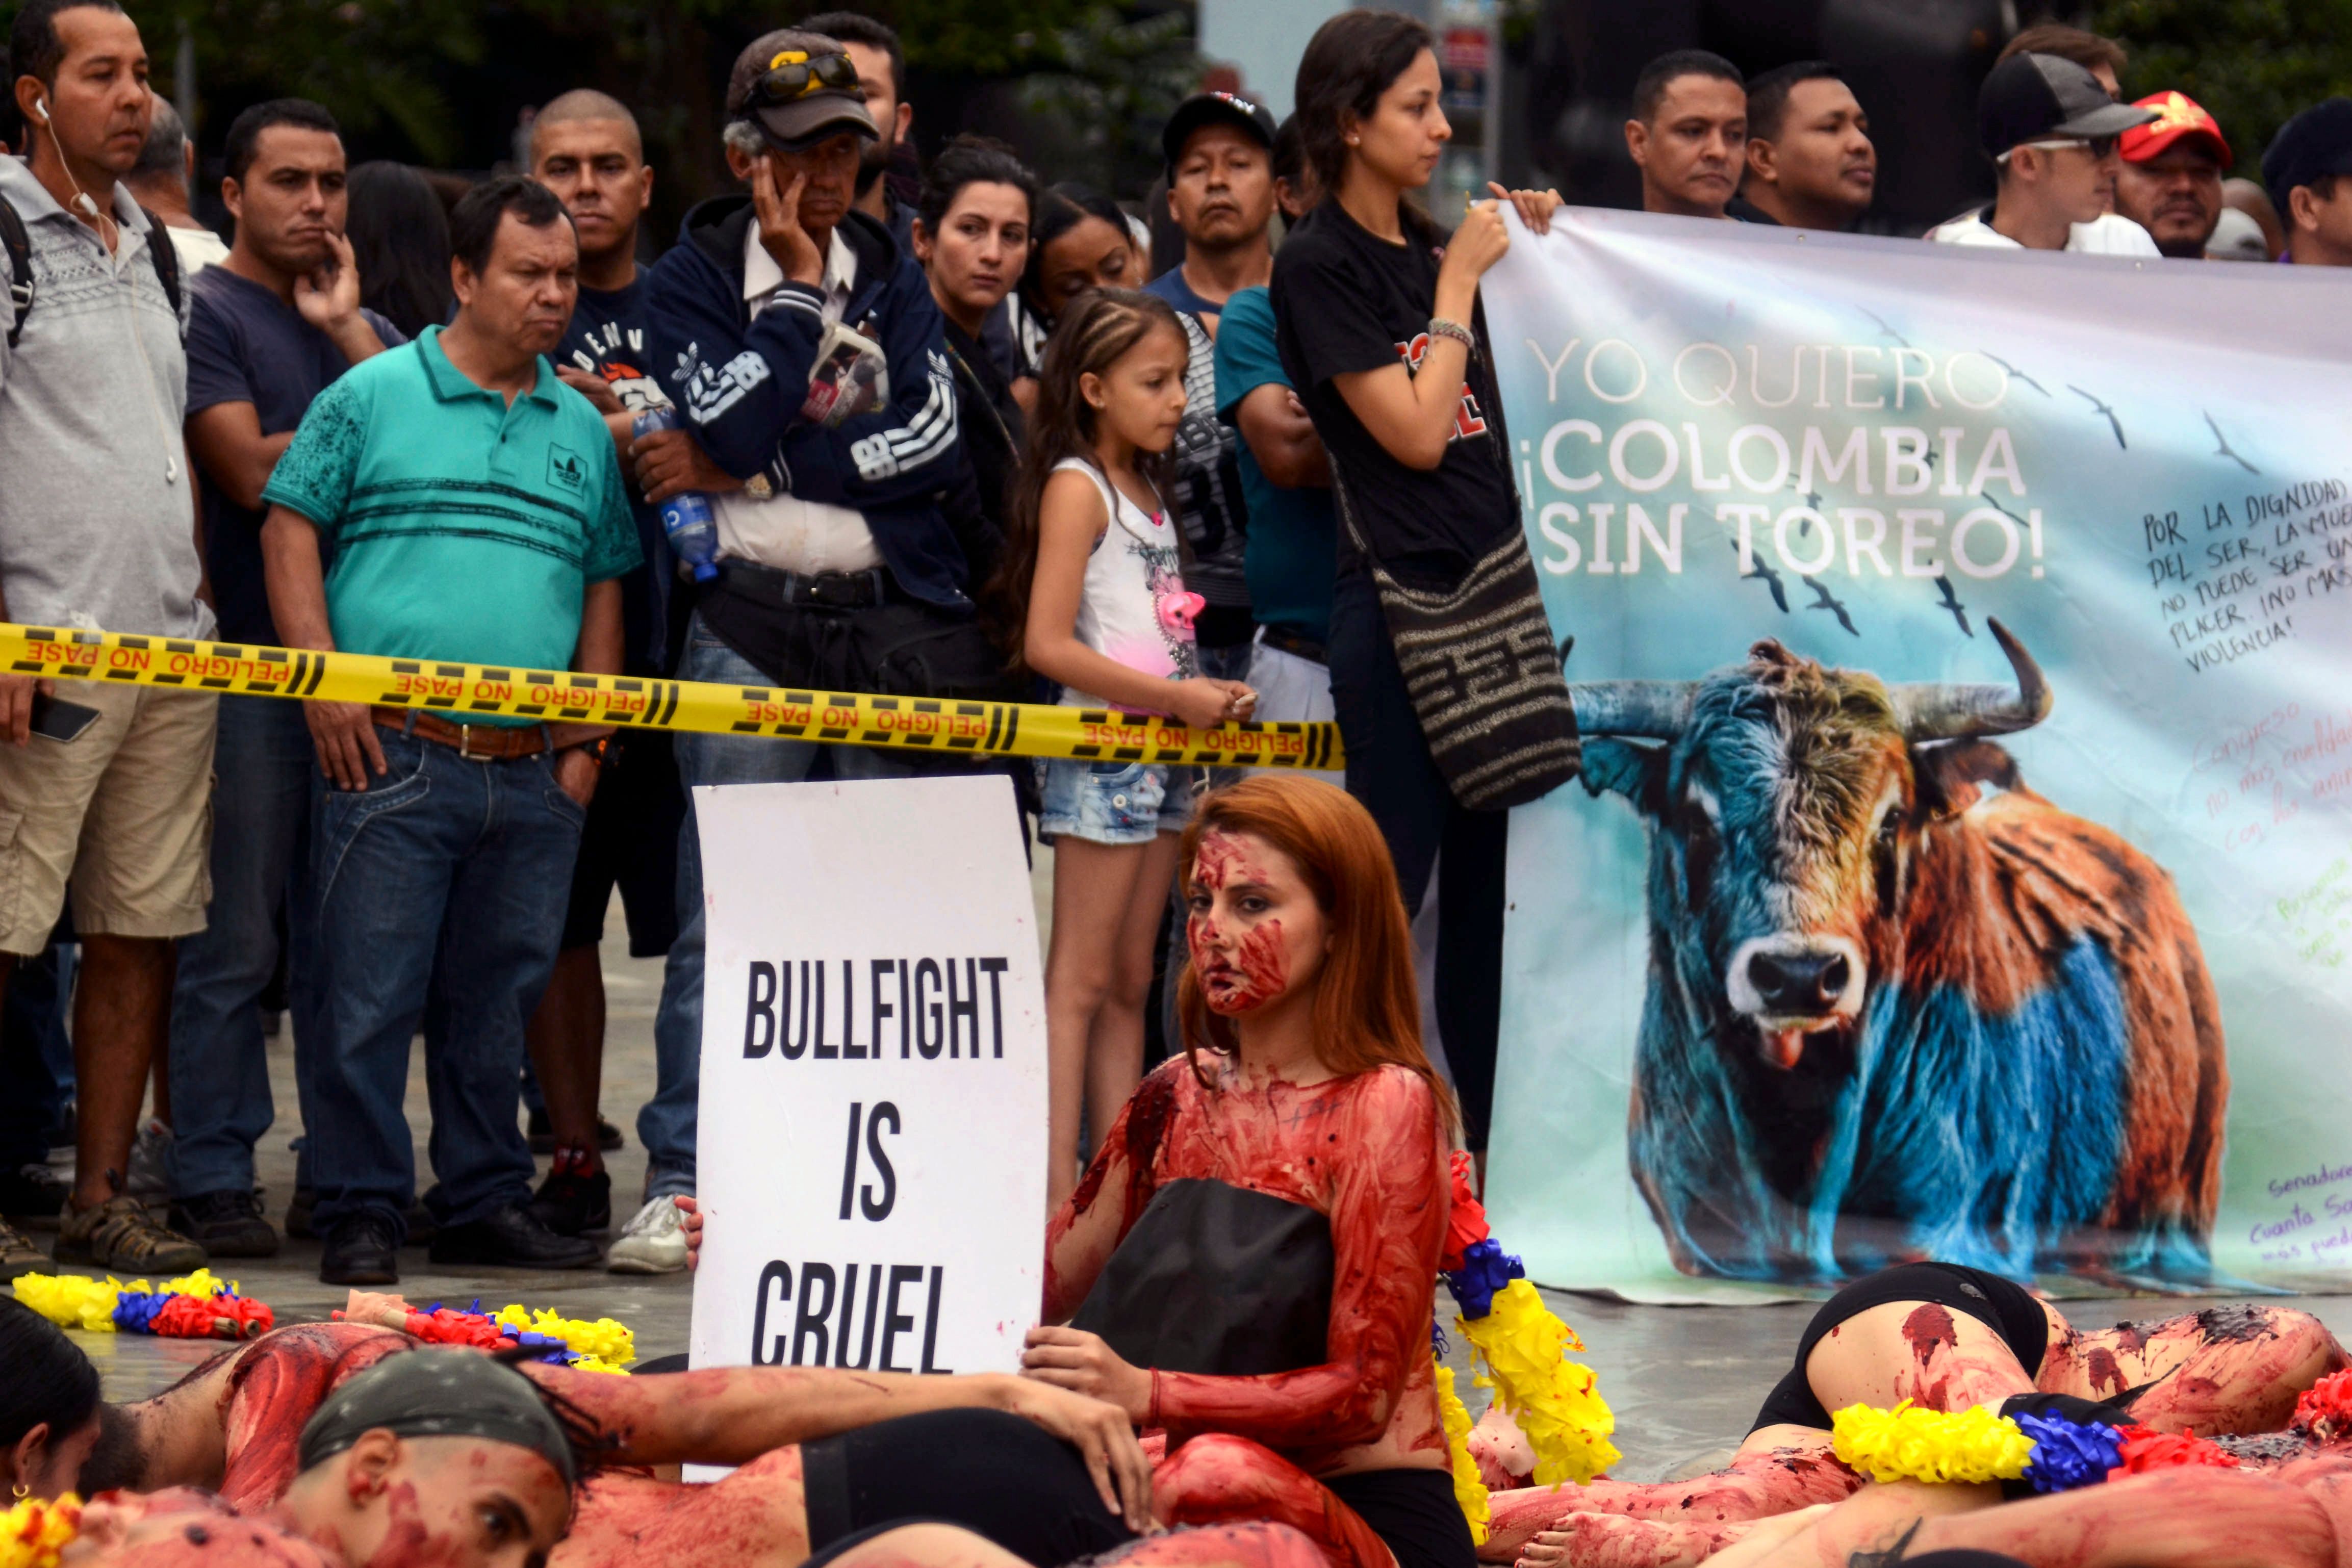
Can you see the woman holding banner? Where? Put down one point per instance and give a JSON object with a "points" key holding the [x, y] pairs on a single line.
{"points": [[1376, 320]]}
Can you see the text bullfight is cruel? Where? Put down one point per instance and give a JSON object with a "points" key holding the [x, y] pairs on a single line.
{"points": [[925, 1008], [1865, 492]]}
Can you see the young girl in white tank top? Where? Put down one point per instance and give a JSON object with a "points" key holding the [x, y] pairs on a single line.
{"points": [[1092, 548]]}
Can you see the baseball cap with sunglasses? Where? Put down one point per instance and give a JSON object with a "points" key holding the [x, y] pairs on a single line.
{"points": [[2031, 99], [2096, 146], [799, 89]]}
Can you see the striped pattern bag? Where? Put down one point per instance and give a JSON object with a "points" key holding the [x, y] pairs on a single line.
{"points": [[1482, 672]]}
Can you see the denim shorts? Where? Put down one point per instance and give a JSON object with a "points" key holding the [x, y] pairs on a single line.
{"points": [[1112, 802]]}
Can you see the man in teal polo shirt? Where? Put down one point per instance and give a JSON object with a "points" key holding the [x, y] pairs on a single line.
{"points": [[474, 508]]}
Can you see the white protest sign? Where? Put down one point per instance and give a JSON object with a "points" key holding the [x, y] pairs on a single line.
{"points": [[872, 1159]]}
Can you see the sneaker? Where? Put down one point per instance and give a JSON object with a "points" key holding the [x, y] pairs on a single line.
{"points": [[226, 1224], [542, 1133], [33, 1193], [653, 1242], [149, 1180], [570, 1203], [360, 1252], [18, 1255], [509, 1238], [120, 1236]]}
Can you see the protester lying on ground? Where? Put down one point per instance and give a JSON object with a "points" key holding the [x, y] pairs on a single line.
{"points": [[1250, 1262], [1948, 1338]]}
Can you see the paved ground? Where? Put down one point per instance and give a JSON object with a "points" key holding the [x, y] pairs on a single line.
{"points": [[1684, 1381]]}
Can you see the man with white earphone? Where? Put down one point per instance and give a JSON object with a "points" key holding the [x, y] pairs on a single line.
{"points": [[98, 528]]}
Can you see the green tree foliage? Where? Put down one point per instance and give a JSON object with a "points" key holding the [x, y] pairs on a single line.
{"points": [[1110, 85], [2252, 63]]}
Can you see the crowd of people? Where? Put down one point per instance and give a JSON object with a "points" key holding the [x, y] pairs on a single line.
{"points": [[951, 441]]}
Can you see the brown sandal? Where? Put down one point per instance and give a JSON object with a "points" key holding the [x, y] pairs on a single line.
{"points": [[121, 1235], [18, 1255]]}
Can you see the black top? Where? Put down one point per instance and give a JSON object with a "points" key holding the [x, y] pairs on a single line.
{"points": [[247, 345], [1345, 300], [992, 431], [608, 338], [1219, 1279], [1747, 212]]}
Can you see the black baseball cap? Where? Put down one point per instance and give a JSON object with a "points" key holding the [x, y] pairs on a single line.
{"points": [[818, 109], [2030, 96], [2310, 147], [1215, 109]]}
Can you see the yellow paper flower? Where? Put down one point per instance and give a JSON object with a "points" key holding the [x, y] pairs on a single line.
{"points": [[1556, 1401], [605, 1340], [33, 1533], [1908, 1443], [71, 1301], [1468, 1490], [598, 1363]]}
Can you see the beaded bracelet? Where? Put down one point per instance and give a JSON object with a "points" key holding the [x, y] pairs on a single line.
{"points": [[1439, 326]]}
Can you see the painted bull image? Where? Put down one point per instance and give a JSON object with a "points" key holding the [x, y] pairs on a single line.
{"points": [[1894, 1013]]}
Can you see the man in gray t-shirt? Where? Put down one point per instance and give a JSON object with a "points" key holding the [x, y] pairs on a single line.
{"points": [[97, 530]]}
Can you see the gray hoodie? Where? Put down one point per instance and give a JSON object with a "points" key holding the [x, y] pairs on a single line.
{"points": [[97, 518]]}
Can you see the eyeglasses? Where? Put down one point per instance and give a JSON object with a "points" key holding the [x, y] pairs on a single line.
{"points": [[2096, 146], [792, 75]]}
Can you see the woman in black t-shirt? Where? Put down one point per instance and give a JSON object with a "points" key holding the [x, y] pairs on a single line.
{"points": [[1374, 312]]}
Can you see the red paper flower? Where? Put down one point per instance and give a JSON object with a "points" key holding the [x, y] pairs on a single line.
{"points": [[2326, 1409], [1467, 1226], [2144, 1450]]}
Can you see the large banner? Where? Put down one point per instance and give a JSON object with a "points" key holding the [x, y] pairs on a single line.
{"points": [[1962, 866]]}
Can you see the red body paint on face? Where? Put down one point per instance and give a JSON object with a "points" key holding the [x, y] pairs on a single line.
{"points": [[1929, 1329], [1258, 973]]}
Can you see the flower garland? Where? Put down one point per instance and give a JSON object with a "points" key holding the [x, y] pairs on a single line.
{"points": [[196, 1306], [2050, 1453], [1522, 1344], [33, 1533], [603, 1345], [2325, 1409], [203, 1306]]}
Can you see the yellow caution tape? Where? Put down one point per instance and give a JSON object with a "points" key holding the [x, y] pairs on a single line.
{"points": [[459, 692]]}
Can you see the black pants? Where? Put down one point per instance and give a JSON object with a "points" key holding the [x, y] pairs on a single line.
{"points": [[1390, 770]]}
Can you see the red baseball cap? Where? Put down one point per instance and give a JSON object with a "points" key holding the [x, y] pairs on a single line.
{"points": [[2177, 116]]}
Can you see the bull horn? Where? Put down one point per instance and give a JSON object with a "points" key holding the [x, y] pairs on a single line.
{"points": [[1654, 709], [1938, 710]]}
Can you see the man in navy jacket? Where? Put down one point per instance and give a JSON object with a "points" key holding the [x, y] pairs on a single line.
{"points": [[834, 549]]}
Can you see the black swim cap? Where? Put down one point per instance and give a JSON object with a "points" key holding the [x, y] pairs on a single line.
{"points": [[439, 1393]]}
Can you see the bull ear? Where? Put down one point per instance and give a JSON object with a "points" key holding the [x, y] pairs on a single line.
{"points": [[1636, 772], [1948, 774]]}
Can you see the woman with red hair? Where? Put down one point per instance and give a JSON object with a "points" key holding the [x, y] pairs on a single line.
{"points": [[1249, 1263]]}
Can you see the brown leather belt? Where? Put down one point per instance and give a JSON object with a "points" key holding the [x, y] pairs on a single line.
{"points": [[475, 742]]}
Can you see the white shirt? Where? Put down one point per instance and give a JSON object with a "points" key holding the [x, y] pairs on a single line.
{"points": [[2109, 234], [782, 531], [196, 248]]}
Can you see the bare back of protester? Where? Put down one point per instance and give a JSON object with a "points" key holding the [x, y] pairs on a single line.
{"points": [[1946, 1338], [1374, 318]]}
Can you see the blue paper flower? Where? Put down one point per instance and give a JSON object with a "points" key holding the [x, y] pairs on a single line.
{"points": [[1437, 1339], [1486, 1269], [2067, 1455], [134, 1310]]}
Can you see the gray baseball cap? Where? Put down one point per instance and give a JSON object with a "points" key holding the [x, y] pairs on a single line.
{"points": [[439, 1393], [2031, 97], [799, 88]]}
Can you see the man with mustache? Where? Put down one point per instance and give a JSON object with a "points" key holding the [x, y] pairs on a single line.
{"points": [[269, 329], [474, 510], [873, 47], [1810, 164], [2169, 182], [1220, 150]]}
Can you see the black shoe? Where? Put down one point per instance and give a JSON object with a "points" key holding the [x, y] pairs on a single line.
{"points": [[421, 1223], [360, 1252], [226, 1224], [513, 1237], [570, 1203], [33, 1193], [297, 1214], [541, 1134]]}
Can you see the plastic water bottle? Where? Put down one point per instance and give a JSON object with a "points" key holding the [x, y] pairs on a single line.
{"points": [[685, 517]]}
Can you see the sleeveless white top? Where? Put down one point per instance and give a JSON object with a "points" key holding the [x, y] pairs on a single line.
{"points": [[1133, 607]]}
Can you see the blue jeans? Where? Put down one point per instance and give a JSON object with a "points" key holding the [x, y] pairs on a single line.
{"points": [[262, 767], [666, 1127], [438, 893]]}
